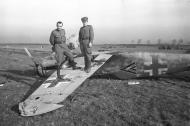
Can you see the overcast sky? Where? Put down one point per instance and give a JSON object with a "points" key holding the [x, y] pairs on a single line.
{"points": [[114, 21]]}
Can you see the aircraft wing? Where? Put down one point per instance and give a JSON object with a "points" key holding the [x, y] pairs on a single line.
{"points": [[48, 96]]}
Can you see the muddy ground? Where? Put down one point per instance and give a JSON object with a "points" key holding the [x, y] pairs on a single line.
{"points": [[97, 102]]}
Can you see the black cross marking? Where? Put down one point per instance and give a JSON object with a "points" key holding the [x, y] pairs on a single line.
{"points": [[155, 66]]}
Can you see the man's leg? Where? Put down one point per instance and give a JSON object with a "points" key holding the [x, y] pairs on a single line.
{"points": [[60, 59], [88, 62], [87, 55], [59, 66], [70, 57], [83, 53]]}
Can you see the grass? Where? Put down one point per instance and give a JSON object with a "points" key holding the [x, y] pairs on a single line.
{"points": [[97, 102]]}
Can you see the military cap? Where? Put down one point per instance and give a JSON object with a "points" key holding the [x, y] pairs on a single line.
{"points": [[59, 22], [84, 19]]}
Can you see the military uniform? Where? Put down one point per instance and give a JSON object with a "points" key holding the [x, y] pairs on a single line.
{"points": [[58, 41], [86, 35]]}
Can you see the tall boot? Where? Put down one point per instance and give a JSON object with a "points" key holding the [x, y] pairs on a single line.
{"points": [[87, 64], [58, 73], [88, 69], [73, 64]]}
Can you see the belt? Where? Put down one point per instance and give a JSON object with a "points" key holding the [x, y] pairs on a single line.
{"points": [[58, 42], [85, 38]]}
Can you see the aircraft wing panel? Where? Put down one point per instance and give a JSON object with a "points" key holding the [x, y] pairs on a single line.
{"points": [[52, 91]]}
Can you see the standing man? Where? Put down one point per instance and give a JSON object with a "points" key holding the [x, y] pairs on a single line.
{"points": [[58, 41], [86, 37]]}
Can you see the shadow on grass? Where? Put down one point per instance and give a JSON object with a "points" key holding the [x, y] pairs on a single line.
{"points": [[19, 76], [28, 72], [15, 109], [105, 76]]}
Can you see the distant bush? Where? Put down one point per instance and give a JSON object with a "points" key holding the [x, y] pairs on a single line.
{"points": [[164, 46], [168, 47], [161, 47]]}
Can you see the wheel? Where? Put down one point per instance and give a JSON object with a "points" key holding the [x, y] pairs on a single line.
{"points": [[40, 71]]}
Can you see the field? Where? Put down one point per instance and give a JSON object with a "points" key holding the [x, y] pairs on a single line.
{"points": [[98, 101]]}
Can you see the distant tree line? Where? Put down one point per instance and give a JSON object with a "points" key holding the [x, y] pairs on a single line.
{"points": [[173, 44]]}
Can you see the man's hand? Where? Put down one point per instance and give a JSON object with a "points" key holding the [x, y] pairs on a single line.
{"points": [[90, 44], [53, 48]]}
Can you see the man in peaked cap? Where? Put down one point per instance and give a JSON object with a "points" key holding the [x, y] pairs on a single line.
{"points": [[58, 41], [86, 37]]}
